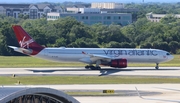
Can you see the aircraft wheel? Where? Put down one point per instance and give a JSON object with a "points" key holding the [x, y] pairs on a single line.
{"points": [[92, 67], [98, 68], [87, 66], [157, 67]]}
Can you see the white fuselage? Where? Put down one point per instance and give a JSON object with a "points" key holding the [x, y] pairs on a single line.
{"points": [[132, 55]]}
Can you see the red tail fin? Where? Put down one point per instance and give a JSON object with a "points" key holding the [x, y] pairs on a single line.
{"points": [[25, 40]]}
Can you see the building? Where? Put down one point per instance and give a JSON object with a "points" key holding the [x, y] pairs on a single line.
{"points": [[89, 17], [34, 95], [107, 5], [33, 11], [120, 10], [157, 17], [74, 8], [117, 9]]}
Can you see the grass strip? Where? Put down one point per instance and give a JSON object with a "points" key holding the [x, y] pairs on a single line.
{"points": [[47, 80], [92, 94]]}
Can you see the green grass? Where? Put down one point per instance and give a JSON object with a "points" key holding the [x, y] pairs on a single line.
{"points": [[46, 80], [26, 61], [91, 94]]}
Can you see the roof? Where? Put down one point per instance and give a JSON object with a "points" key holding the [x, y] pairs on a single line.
{"points": [[8, 6], [1, 7], [159, 15], [27, 6], [23, 93], [57, 7], [162, 15], [75, 6]]}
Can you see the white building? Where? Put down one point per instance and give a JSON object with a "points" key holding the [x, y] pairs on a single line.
{"points": [[157, 17], [34, 11], [89, 10], [107, 5]]}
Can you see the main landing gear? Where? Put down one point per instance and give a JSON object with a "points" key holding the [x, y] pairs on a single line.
{"points": [[157, 66], [97, 67], [92, 67]]}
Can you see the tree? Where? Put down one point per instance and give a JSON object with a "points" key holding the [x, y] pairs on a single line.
{"points": [[125, 45], [174, 45], [146, 45], [8, 39], [113, 44], [60, 42], [168, 19], [20, 16], [26, 17]]}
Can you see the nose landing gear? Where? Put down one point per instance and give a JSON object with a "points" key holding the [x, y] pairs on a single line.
{"points": [[157, 66]]}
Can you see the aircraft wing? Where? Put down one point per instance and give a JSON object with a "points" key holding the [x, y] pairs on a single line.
{"points": [[95, 57], [164, 100]]}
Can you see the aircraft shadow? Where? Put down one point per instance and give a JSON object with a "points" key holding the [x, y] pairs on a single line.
{"points": [[103, 72], [108, 71], [55, 70]]}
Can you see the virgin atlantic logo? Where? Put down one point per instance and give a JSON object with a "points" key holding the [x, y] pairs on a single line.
{"points": [[24, 43]]}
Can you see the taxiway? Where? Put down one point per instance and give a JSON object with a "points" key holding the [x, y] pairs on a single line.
{"points": [[79, 71]]}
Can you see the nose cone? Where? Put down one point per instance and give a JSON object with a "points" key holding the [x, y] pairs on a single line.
{"points": [[170, 57]]}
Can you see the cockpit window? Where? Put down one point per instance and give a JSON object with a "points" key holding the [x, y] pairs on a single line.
{"points": [[167, 53]]}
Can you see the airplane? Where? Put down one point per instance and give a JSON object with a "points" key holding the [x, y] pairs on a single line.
{"points": [[164, 100], [113, 57]]}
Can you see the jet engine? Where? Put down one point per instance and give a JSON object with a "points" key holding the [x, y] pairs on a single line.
{"points": [[119, 63]]}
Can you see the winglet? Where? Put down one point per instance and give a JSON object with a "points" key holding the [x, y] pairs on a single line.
{"points": [[138, 93]]}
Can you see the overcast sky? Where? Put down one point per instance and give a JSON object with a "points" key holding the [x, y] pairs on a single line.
{"points": [[89, 1]]}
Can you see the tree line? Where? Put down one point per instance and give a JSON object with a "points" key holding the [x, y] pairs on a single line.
{"points": [[68, 32]]}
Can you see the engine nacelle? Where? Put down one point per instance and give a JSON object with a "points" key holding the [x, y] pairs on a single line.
{"points": [[119, 63]]}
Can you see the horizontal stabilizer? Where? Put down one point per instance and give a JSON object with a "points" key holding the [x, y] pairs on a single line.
{"points": [[21, 50]]}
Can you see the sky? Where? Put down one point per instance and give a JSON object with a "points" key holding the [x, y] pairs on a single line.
{"points": [[88, 1]]}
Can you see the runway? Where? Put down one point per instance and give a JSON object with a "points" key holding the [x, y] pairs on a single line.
{"points": [[79, 71], [161, 91]]}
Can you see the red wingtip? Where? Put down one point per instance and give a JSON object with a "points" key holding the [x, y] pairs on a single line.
{"points": [[25, 40]]}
